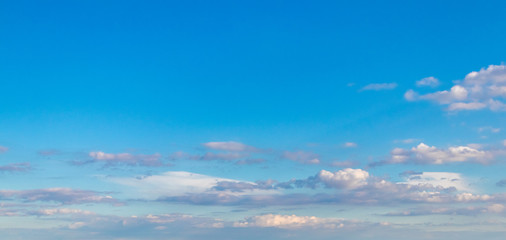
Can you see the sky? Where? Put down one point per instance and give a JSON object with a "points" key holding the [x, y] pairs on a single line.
{"points": [[292, 120]]}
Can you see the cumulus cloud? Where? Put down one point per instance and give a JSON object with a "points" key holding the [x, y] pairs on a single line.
{"points": [[424, 154], [347, 178], [110, 159], [229, 146], [59, 195], [379, 86], [478, 90], [427, 82], [302, 157], [351, 186], [16, 167]]}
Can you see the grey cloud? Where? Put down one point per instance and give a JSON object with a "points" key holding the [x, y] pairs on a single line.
{"points": [[501, 183]]}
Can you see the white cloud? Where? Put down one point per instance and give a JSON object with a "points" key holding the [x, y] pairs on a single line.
{"points": [[60, 195], [180, 183], [347, 178], [229, 146], [290, 222], [466, 106], [59, 211], [424, 154], [428, 81], [443, 179], [482, 89], [126, 158], [379, 86]]}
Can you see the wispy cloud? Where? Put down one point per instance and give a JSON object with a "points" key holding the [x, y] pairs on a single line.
{"points": [[111, 159], [230, 146], [302, 157], [379, 86], [427, 82], [16, 167], [59, 195]]}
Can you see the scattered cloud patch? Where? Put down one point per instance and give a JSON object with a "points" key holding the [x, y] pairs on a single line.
{"points": [[443, 179], [489, 129], [347, 178], [290, 222], [170, 184], [467, 211], [60, 211], [379, 86], [478, 90], [250, 161], [229, 146], [111, 159], [350, 145], [16, 167], [59, 195], [302, 157], [427, 82], [424, 154]]}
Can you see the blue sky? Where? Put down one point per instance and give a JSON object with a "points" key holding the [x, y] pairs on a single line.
{"points": [[260, 119]]}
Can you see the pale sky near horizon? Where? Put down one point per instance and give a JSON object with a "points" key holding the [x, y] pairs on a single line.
{"points": [[252, 119]]}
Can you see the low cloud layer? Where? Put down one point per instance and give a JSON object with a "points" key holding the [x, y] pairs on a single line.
{"points": [[58, 195], [425, 154]]}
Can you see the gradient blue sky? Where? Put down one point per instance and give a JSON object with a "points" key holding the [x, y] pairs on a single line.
{"points": [[252, 119]]}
